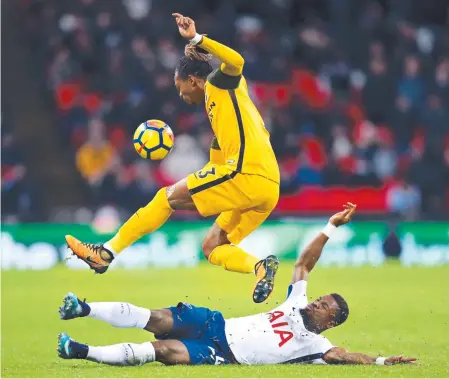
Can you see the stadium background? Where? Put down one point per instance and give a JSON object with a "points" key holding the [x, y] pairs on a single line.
{"points": [[355, 94]]}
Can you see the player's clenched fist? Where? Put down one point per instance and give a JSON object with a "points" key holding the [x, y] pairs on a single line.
{"points": [[186, 25]]}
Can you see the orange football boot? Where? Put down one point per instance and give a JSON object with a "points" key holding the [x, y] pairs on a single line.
{"points": [[265, 272], [96, 256]]}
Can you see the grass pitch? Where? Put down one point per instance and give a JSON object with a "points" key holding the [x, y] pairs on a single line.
{"points": [[393, 310]]}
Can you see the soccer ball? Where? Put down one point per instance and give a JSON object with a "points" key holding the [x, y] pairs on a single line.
{"points": [[153, 140]]}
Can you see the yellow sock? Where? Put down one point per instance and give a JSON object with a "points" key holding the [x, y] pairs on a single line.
{"points": [[146, 220], [233, 258]]}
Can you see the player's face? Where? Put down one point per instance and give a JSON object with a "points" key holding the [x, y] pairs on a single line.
{"points": [[189, 89], [322, 311]]}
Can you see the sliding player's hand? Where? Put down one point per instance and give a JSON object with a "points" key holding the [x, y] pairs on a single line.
{"points": [[343, 217], [186, 25], [400, 359]]}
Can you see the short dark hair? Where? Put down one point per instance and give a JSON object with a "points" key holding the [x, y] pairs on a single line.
{"points": [[196, 62], [343, 309]]}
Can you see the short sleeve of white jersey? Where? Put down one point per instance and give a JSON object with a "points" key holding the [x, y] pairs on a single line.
{"points": [[297, 294]]}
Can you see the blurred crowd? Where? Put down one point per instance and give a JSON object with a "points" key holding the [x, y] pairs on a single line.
{"points": [[354, 92], [19, 199]]}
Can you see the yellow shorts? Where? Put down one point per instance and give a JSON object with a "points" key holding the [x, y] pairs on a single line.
{"points": [[244, 201]]}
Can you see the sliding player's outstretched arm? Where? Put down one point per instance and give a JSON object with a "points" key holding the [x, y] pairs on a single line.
{"points": [[308, 258], [232, 61], [339, 355]]}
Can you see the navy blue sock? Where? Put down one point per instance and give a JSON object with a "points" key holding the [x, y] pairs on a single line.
{"points": [[79, 349], [85, 308]]}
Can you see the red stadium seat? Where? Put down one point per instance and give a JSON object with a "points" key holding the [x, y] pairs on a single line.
{"points": [[66, 95], [315, 151], [262, 92], [289, 165], [92, 102], [348, 164], [305, 84], [282, 94]]}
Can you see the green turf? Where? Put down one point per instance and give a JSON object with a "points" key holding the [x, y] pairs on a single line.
{"points": [[394, 310]]}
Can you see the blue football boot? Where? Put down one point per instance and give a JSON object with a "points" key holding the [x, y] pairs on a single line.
{"points": [[70, 349], [72, 307]]}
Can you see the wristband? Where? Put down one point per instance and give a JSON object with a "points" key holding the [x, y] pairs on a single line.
{"points": [[197, 39], [328, 229], [380, 361]]}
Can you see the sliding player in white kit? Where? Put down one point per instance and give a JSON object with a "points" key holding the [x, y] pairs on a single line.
{"points": [[186, 334]]}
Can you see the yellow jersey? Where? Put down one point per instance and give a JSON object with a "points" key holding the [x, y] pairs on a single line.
{"points": [[239, 130]]}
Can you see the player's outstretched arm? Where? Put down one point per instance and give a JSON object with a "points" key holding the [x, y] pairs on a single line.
{"points": [[339, 355], [232, 60], [308, 258]]}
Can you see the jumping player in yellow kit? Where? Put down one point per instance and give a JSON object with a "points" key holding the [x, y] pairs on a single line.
{"points": [[240, 183]]}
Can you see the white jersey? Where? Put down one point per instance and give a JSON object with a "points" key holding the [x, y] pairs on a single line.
{"points": [[278, 336]]}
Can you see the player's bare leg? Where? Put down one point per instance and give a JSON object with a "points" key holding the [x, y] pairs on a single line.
{"points": [[179, 197], [219, 251], [160, 322], [214, 238], [171, 352], [146, 220]]}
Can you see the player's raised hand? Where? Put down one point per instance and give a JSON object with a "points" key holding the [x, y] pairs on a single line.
{"points": [[343, 217], [186, 25], [400, 359]]}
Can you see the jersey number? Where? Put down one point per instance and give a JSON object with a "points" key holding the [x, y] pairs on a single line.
{"points": [[216, 360], [202, 174]]}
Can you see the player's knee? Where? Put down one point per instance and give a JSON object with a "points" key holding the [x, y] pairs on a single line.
{"points": [[173, 199], [169, 192], [162, 353], [178, 196], [216, 237], [160, 322], [165, 354]]}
